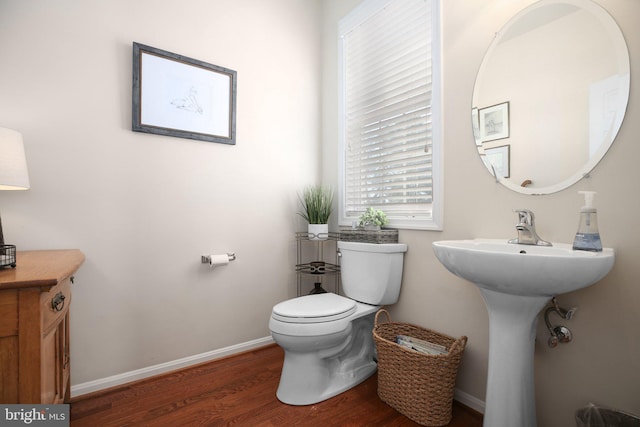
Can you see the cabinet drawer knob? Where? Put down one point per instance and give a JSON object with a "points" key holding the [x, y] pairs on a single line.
{"points": [[57, 303]]}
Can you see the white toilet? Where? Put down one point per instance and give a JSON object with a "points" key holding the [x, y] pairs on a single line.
{"points": [[327, 338]]}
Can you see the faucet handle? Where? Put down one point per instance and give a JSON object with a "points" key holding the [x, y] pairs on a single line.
{"points": [[525, 216]]}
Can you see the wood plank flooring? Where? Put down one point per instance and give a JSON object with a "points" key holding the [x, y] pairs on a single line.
{"points": [[237, 391]]}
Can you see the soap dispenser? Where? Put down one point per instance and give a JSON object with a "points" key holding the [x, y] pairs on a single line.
{"points": [[588, 237]]}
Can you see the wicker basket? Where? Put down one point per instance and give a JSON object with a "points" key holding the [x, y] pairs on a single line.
{"points": [[420, 386]]}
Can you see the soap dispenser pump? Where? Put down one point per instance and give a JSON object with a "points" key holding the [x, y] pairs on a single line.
{"points": [[588, 237]]}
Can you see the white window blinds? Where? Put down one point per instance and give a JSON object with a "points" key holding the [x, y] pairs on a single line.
{"points": [[388, 128]]}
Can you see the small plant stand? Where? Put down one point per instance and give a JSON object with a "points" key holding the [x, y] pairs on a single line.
{"points": [[317, 266]]}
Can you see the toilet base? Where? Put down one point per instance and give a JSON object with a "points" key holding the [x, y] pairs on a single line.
{"points": [[346, 360], [286, 393]]}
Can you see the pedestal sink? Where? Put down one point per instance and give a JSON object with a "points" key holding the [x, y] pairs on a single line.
{"points": [[516, 282]]}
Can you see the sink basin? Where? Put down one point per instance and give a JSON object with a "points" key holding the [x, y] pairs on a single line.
{"points": [[516, 282], [523, 269]]}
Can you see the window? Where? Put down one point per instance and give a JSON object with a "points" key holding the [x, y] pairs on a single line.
{"points": [[390, 145]]}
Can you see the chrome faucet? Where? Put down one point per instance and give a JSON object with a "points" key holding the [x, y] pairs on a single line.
{"points": [[526, 227]]}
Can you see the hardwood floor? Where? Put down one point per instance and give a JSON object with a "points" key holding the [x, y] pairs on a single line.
{"points": [[238, 391]]}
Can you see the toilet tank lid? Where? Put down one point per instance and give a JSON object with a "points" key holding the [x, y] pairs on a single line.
{"points": [[373, 247]]}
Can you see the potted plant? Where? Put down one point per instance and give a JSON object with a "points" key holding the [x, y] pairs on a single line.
{"points": [[373, 219], [317, 203]]}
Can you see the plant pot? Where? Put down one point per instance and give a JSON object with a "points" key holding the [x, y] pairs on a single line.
{"points": [[318, 231], [372, 227]]}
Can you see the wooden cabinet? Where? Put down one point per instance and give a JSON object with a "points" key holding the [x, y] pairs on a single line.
{"points": [[35, 297]]}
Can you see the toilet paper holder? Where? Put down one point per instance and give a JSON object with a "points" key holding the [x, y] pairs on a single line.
{"points": [[206, 259]]}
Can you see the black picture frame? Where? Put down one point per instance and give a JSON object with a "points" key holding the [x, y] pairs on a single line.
{"points": [[498, 160], [494, 122], [177, 96]]}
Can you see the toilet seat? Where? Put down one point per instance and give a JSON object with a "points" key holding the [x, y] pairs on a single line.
{"points": [[314, 309]]}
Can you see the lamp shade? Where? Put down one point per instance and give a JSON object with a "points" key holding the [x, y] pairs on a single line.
{"points": [[13, 163]]}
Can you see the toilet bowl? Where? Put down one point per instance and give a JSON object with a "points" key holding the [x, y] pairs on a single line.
{"points": [[327, 353], [327, 338]]}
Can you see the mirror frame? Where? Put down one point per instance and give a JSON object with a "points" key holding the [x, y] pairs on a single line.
{"points": [[618, 42]]}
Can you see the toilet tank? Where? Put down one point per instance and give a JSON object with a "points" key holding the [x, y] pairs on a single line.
{"points": [[371, 273]]}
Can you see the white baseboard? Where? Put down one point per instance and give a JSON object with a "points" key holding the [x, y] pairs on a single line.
{"points": [[469, 400], [138, 374]]}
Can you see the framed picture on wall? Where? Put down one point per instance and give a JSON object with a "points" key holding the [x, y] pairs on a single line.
{"points": [[497, 160], [494, 122], [475, 120], [182, 97]]}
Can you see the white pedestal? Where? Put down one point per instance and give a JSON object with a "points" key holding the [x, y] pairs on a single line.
{"points": [[510, 397]]}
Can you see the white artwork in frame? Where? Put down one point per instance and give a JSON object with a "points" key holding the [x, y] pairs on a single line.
{"points": [[475, 120], [178, 96], [497, 160], [494, 122]]}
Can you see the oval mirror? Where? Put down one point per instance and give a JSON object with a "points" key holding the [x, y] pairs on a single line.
{"points": [[550, 95]]}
